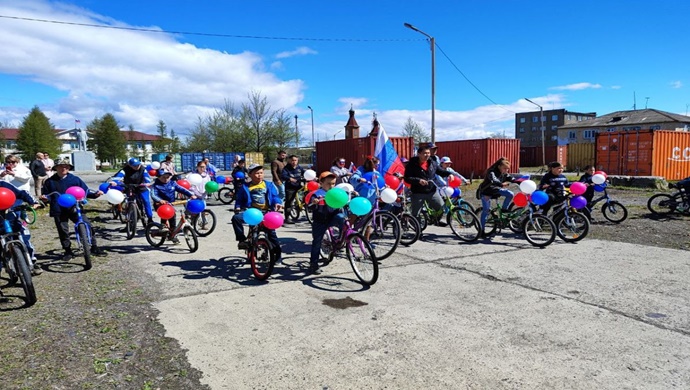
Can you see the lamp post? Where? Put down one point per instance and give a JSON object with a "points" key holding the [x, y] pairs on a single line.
{"points": [[337, 132], [313, 144], [296, 131], [541, 119], [432, 40]]}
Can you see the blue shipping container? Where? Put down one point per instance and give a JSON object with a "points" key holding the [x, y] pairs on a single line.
{"points": [[230, 159], [217, 159], [189, 161]]}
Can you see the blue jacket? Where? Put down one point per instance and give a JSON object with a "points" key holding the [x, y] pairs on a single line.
{"points": [[130, 175], [366, 189], [244, 201], [292, 173], [55, 184], [166, 191]]}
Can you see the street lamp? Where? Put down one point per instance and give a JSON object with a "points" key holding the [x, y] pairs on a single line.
{"points": [[313, 145], [296, 131], [433, 78], [337, 132], [541, 119]]}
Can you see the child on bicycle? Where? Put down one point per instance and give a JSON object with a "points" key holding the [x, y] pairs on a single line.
{"points": [[587, 179], [259, 194], [323, 217], [163, 192], [202, 170], [134, 172], [445, 165], [554, 184], [495, 185], [16, 221], [57, 185]]}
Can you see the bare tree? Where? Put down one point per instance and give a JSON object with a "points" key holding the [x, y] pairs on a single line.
{"points": [[415, 130]]}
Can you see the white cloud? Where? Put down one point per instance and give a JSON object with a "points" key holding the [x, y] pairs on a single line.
{"points": [[300, 51], [576, 87], [616, 87], [676, 84]]}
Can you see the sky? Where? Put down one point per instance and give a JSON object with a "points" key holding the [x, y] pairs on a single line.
{"points": [[179, 60]]}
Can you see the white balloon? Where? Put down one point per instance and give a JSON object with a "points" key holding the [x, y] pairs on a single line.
{"points": [[598, 179], [309, 175], [155, 165], [347, 187], [528, 186], [388, 195], [448, 191], [114, 196], [194, 179]]}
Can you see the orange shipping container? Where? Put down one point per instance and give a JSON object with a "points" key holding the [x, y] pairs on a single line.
{"points": [[356, 149], [471, 158], [644, 153]]}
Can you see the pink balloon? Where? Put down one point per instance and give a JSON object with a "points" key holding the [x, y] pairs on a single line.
{"points": [[77, 192], [273, 220], [578, 188]]}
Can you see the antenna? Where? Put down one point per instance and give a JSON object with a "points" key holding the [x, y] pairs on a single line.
{"points": [[645, 102], [634, 101]]}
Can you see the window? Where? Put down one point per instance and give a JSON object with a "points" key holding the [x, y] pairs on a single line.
{"points": [[523, 120], [655, 127], [543, 118], [534, 128], [579, 118], [611, 129], [522, 129], [588, 134], [554, 117], [535, 119], [572, 135], [554, 128]]}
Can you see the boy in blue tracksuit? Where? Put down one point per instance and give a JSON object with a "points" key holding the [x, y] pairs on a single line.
{"points": [[259, 194], [163, 192], [135, 173]]}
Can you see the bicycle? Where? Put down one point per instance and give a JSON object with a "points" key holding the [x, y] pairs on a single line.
{"points": [[537, 229], [410, 228], [82, 231], [612, 210], [204, 223], [666, 204], [260, 253], [300, 205], [133, 209], [357, 249], [15, 258], [156, 233], [382, 228], [226, 194], [463, 222], [571, 225]]}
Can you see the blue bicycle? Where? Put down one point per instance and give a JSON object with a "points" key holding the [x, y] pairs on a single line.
{"points": [[15, 259], [82, 232]]}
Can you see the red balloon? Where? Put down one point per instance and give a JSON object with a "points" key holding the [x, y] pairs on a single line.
{"points": [[184, 183], [392, 182], [166, 211], [307, 198], [406, 184], [152, 172], [602, 173], [520, 199], [228, 180], [312, 186], [7, 198], [454, 181]]}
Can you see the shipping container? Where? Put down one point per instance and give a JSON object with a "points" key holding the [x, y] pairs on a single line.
{"points": [[644, 153], [355, 150], [231, 158], [254, 158], [580, 155], [532, 156], [189, 161], [471, 158], [217, 159]]}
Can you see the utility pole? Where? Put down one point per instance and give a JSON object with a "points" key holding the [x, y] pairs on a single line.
{"points": [[541, 119]]}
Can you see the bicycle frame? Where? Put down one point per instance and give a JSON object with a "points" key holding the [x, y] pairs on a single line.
{"points": [[80, 221]]}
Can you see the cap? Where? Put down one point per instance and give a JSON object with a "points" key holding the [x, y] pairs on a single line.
{"points": [[326, 174], [134, 162], [445, 160], [164, 171], [431, 145], [254, 167], [64, 161]]}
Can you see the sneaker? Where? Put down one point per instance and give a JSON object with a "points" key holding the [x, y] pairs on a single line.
{"points": [[175, 240], [441, 224], [315, 270], [243, 245], [36, 270], [96, 251], [67, 256]]}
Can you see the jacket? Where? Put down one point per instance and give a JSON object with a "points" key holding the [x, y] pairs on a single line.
{"points": [[493, 183], [290, 172], [244, 201], [166, 191], [414, 173], [55, 184]]}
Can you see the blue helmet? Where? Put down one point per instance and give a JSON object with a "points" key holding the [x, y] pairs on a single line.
{"points": [[134, 162]]}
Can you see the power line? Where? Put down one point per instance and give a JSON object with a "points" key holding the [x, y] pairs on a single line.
{"points": [[206, 34]]}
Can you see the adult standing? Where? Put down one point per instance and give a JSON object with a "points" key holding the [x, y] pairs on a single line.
{"points": [[16, 173], [277, 167], [48, 163], [419, 174], [38, 172], [169, 166], [292, 180]]}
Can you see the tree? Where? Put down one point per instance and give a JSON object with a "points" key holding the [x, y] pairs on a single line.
{"points": [[106, 139], [498, 135], [162, 144], [416, 131], [256, 120], [36, 134], [175, 143]]}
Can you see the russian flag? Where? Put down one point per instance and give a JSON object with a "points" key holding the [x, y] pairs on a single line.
{"points": [[389, 161]]}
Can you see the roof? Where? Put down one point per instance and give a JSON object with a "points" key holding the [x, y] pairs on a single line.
{"points": [[11, 134], [628, 118]]}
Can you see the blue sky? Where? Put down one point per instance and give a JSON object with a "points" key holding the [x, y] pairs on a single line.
{"points": [[585, 56]]}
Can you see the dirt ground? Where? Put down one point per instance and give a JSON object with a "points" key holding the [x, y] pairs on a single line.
{"points": [[98, 329]]}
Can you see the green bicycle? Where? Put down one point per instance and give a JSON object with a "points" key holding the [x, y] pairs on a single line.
{"points": [[462, 221], [537, 229]]}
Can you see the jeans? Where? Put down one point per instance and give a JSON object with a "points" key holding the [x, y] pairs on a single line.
{"points": [[62, 225], [281, 191], [238, 227], [486, 204], [318, 229]]}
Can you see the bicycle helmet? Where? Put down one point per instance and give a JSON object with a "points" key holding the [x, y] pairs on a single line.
{"points": [[134, 162]]}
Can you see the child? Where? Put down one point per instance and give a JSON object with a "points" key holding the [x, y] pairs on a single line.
{"points": [[324, 217], [553, 183], [587, 179], [494, 185], [164, 192], [202, 170], [259, 194], [445, 165]]}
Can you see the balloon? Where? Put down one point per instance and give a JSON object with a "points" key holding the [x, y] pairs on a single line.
{"points": [[184, 183], [448, 191], [456, 192], [520, 199], [598, 179], [211, 187], [77, 192], [336, 198], [220, 179], [371, 176], [601, 173], [153, 172], [359, 205], [347, 187], [194, 179], [228, 180], [528, 186], [195, 206], [307, 197], [104, 187], [578, 202], [599, 187], [539, 198], [388, 195], [149, 167], [156, 165], [392, 181], [67, 200], [318, 193], [7, 198], [454, 181], [312, 186], [239, 175], [578, 188], [166, 211], [273, 220], [309, 175], [252, 216], [114, 196]]}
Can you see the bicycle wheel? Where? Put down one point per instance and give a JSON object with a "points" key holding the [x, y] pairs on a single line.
{"points": [[516, 220], [614, 211], [539, 230], [294, 212], [121, 211], [190, 238], [423, 219], [29, 216], [262, 259], [131, 223], [362, 259], [409, 229], [466, 205], [308, 211], [572, 227], [84, 243], [491, 226], [156, 233], [662, 204], [326, 250], [464, 224], [21, 264], [225, 195], [384, 231], [204, 223]]}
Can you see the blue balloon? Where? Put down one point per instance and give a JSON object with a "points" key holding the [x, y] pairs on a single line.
{"points": [[360, 206], [220, 179], [195, 206], [149, 167], [252, 216], [456, 192], [104, 187], [239, 175], [379, 178], [599, 187], [539, 197], [67, 200]]}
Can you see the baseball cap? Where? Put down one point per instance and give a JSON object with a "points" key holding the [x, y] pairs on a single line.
{"points": [[253, 167], [326, 174], [446, 159], [163, 171], [431, 145]]}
